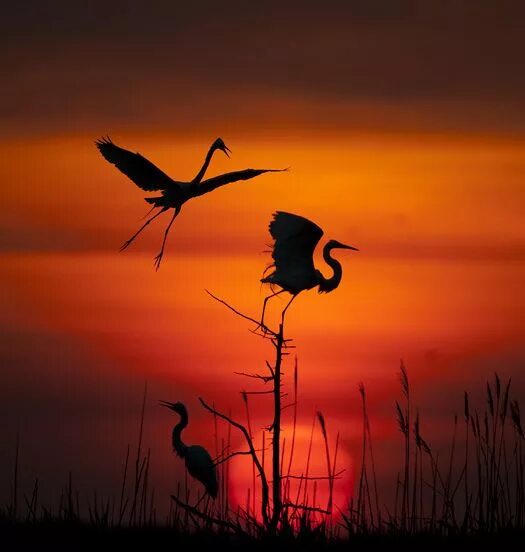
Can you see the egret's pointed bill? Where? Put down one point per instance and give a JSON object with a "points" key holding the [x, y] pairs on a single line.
{"points": [[344, 246]]}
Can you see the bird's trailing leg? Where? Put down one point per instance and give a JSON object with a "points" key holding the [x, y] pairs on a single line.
{"points": [[286, 308], [128, 242], [150, 211], [158, 258], [261, 325]]}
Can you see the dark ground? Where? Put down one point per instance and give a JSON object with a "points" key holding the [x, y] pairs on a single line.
{"points": [[76, 536]]}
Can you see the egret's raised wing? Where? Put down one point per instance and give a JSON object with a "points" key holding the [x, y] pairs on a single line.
{"points": [[211, 183], [295, 241], [136, 167]]}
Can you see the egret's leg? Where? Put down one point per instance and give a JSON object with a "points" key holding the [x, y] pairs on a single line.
{"points": [[158, 258], [287, 306], [128, 242], [150, 211], [264, 305]]}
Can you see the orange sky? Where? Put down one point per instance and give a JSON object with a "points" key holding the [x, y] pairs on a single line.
{"points": [[427, 181], [437, 281]]}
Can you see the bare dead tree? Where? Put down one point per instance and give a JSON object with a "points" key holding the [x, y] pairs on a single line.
{"points": [[271, 516]]}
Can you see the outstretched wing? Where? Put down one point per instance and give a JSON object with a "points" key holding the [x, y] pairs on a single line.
{"points": [[136, 167], [211, 183], [295, 241]]}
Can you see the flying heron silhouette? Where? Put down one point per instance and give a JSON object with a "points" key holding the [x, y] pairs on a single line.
{"points": [[174, 193], [295, 240], [198, 461]]}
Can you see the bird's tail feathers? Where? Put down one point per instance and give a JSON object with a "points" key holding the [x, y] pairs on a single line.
{"points": [[268, 279], [149, 212], [157, 201]]}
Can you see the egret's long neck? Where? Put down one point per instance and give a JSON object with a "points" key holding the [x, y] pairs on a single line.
{"points": [[329, 284], [178, 446], [205, 165]]}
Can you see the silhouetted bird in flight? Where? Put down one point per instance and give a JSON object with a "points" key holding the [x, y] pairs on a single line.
{"points": [[174, 193], [295, 241], [198, 461]]}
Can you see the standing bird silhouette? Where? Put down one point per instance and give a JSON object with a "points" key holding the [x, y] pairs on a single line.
{"points": [[198, 461], [295, 241], [174, 193]]}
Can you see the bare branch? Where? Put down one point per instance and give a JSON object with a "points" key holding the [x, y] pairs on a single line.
{"points": [[231, 455], [240, 427], [242, 315], [199, 514], [265, 379], [221, 453], [307, 508], [270, 367], [243, 514], [303, 477]]}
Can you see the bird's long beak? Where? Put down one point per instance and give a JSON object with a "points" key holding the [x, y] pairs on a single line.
{"points": [[343, 246], [166, 404], [227, 151]]}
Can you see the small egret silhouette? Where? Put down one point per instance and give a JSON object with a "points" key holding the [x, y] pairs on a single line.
{"points": [[198, 461], [295, 241], [174, 193]]}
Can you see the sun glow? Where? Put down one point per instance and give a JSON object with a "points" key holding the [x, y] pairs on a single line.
{"points": [[309, 460], [438, 279]]}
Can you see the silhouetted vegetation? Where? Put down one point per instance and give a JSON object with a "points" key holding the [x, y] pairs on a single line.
{"points": [[475, 489], [478, 493]]}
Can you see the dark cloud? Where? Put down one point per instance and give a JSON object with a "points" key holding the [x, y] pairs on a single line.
{"points": [[94, 238], [453, 63]]}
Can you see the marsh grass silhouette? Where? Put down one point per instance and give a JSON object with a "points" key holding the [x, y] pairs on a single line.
{"points": [[477, 492], [476, 488], [481, 492]]}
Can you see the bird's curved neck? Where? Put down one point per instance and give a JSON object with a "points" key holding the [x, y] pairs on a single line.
{"points": [[178, 446], [204, 168], [329, 284]]}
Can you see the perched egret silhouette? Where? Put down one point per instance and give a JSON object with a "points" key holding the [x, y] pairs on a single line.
{"points": [[198, 461], [174, 193], [295, 241]]}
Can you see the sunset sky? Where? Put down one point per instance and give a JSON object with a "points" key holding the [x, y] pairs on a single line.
{"points": [[403, 126]]}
